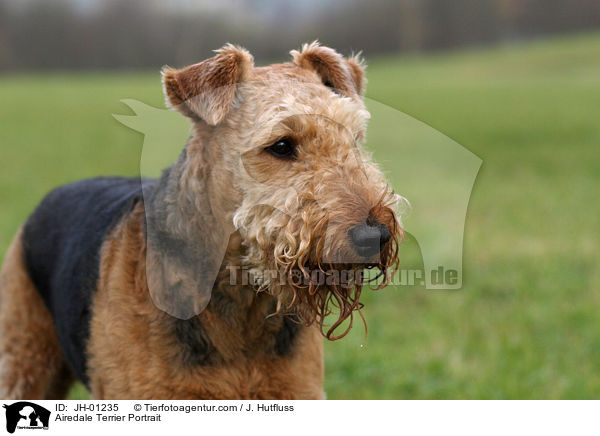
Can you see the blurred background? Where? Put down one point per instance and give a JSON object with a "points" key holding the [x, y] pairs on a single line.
{"points": [[111, 34], [517, 82]]}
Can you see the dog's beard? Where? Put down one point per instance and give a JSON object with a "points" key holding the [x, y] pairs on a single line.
{"points": [[317, 273], [319, 290]]}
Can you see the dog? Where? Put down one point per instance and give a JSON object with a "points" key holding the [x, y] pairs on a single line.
{"points": [[136, 286]]}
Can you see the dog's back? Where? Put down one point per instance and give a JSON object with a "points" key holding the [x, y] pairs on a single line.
{"points": [[61, 244]]}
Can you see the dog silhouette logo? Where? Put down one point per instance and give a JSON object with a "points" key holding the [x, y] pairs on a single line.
{"points": [[26, 415]]}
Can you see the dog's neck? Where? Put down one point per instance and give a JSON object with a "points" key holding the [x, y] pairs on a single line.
{"points": [[237, 325], [197, 255]]}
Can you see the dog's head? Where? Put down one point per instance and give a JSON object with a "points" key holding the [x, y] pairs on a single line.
{"points": [[281, 148]]}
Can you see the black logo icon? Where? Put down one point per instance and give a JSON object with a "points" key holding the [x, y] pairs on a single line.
{"points": [[26, 415]]}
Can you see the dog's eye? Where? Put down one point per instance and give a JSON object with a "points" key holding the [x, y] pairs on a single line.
{"points": [[283, 148]]}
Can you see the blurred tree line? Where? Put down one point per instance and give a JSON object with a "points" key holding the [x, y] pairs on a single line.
{"points": [[111, 34]]}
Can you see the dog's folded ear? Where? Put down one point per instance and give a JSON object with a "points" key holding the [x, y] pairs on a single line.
{"points": [[206, 90], [346, 76]]}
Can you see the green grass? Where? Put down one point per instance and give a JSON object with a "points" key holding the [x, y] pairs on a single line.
{"points": [[526, 323]]}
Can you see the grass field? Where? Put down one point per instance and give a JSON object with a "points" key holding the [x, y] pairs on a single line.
{"points": [[526, 323]]}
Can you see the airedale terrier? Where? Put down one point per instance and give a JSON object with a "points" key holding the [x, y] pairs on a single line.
{"points": [[134, 286]]}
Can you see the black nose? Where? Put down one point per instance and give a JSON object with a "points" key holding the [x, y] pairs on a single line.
{"points": [[369, 239]]}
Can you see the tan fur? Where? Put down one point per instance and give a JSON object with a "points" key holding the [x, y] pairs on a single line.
{"points": [[133, 355], [31, 361]]}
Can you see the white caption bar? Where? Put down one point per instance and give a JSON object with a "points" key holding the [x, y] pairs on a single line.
{"points": [[300, 417]]}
